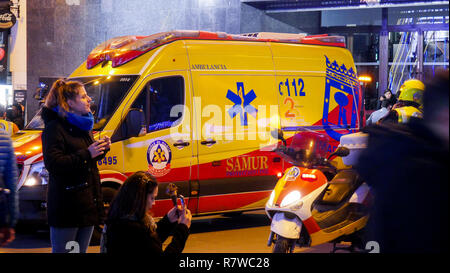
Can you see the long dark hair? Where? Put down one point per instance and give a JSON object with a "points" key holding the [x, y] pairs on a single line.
{"points": [[131, 200]]}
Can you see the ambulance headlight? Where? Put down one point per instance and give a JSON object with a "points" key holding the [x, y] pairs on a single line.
{"points": [[38, 175], [272, 196], [291, 199]]}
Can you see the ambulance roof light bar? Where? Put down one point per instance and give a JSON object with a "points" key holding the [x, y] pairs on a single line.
{"points": [[123, 49], [282, 37]]}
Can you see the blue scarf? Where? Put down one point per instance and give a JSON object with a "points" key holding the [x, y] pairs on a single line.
{"points": [[85, 122]]}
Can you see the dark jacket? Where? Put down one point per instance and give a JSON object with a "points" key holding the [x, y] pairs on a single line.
{"points": [[408, 167], [74, 196], [19, 121], [9, 204], [128, 236], [387, 102]]}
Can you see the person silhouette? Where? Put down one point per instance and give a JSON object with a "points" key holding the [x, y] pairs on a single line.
{"points": [[342, 101]]}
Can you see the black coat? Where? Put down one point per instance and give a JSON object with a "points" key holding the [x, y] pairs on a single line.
{"points": [[387, 102], [128, 236], [408, 167], [74, 196]]}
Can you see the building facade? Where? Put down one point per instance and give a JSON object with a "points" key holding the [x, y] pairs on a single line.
{"points": [[390, 40]]}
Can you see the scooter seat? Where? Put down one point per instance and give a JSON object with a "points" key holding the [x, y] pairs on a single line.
{"points": [[341, 187]]}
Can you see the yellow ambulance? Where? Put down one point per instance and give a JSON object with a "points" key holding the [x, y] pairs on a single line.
{"points": [[196, 108]]}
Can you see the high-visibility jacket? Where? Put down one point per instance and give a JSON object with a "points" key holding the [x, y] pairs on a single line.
{"points": [[406, 112], [9, 127]]}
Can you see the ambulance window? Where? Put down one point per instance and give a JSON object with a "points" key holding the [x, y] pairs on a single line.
{"points": [[157, 100]]}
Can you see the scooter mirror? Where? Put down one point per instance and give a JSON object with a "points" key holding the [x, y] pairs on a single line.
{"points": [[278, 134], [341, 152], [274, 133]]}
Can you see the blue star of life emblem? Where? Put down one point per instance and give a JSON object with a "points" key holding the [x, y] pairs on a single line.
{"points": [[242, 103]]}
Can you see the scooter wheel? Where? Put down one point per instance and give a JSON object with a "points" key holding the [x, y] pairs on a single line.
{"points": [[283, 245]]}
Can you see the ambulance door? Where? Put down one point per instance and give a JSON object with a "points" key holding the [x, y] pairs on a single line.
{"points": [[233, 87], [155, 135]]}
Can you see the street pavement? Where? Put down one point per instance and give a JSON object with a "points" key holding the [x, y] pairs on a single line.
{"points": [[245, 233]]}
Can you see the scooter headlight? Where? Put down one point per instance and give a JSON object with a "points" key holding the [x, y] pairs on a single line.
{"points": [[290, 199], [272, 196]]}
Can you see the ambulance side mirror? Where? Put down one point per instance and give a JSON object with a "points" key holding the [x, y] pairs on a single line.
{"points": [[134, 123], [132, 126]]}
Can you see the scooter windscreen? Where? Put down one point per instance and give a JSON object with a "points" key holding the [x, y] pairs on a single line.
{"points": [[307, 149]]}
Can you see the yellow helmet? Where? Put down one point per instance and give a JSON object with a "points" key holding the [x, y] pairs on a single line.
{"points": [[412, 90], [8, 127]]}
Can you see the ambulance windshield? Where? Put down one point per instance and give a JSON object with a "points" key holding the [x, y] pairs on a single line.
{"points": [[106, 93]]}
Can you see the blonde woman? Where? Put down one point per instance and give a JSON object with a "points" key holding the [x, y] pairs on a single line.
{"points": [[74, 204]]}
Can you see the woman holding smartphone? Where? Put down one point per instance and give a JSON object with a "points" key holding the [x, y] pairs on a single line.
{"points": [[74, 200], [131, 228]]}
